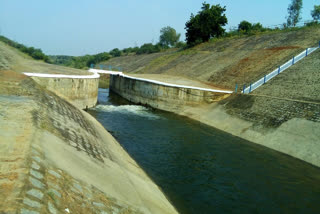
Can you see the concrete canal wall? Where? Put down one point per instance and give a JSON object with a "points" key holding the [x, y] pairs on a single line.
{"points": [[81, 92], [297, 137], [57, 158], [162, 96]]}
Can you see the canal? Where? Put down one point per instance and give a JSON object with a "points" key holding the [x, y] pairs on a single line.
{"points": [[204, 170]]}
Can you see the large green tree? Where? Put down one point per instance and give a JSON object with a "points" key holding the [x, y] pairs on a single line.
{"points": [[294, 12], [206, 24], [168, 37], [315, 13]]}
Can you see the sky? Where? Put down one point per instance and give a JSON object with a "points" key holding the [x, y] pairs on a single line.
{"points": [[79, 27]]}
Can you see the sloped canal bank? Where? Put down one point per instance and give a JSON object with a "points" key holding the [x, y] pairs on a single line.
{"points": [[204, 170]]}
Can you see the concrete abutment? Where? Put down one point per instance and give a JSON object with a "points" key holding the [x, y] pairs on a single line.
{"points": [[168, 98], [83, 93]]}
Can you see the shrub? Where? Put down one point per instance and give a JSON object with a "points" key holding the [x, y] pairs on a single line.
{"points": [[115, 52], [149, 48]]}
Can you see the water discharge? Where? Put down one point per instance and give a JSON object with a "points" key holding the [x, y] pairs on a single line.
{"points": [[204, 170], [127, 109]]}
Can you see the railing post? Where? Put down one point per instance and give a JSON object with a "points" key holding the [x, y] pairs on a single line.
{"points": [[307, 52], [292, 60], [250, 88], [264, 79], [279, 70], [236, 89], [244, 87]]}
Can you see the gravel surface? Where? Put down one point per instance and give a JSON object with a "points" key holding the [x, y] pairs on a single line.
{"points": [[295, 93], [300, 82]]}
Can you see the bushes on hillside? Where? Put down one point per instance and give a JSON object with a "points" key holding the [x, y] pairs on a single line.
{"points": [[115, 52], [35, 53], [246, 27], [130, 50], [148, 48], [81, 62]]}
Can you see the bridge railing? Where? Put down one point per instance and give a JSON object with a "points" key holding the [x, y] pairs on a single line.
{"points": [[277, 71]]}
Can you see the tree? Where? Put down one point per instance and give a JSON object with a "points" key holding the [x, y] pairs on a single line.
{"points": [[245, 26], [294, 10], [206, 24], [258, 27], [315, 13], [115, 52], [168, 37]]}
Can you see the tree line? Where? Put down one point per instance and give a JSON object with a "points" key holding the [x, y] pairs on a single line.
{"points": [[35, 53], [207, 24]]}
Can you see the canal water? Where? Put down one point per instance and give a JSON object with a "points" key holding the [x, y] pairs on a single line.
{"points": [[203, 170]]}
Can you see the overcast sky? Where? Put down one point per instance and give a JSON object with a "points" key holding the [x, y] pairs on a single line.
{"points": [[78, 27]]}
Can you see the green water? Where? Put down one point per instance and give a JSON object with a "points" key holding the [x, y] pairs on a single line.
{"points": [[203, 170]]}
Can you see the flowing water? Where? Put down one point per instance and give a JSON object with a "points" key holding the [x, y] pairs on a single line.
{"points": [[203, 170]]}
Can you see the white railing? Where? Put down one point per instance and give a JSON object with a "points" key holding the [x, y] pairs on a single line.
{"points": [[277, 71], [158, 82], [96, 75], [245, 90], [93, 76]]}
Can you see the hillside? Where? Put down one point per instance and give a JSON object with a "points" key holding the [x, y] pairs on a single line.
{"points": [[295, 93], [13, 59], [283, 114], [226, 61]]}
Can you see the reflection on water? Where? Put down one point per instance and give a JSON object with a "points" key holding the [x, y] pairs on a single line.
{"points": [[204, 170]]}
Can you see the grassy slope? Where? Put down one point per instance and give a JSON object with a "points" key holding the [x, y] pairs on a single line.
{"points": [[227, 61], [13, 59]]}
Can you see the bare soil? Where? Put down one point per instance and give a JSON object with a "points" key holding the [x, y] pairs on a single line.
{"points": [[179, 80], [225, 62]]}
